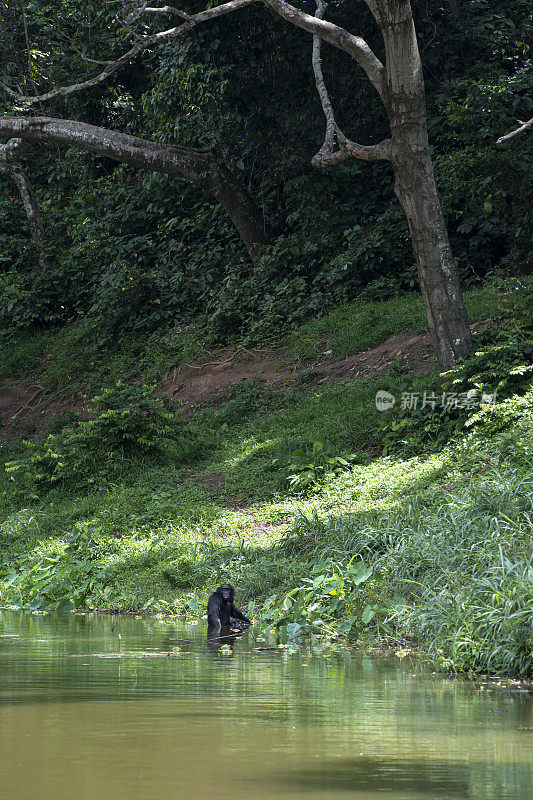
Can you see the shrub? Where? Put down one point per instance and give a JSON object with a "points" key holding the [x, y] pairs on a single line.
{"points": [[126, 422], [485, 625], [312, 465], [464, 561], [330, 603], [485, 387]]}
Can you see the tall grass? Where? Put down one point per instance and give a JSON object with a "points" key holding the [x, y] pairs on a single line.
{"points": [[464, 561]]}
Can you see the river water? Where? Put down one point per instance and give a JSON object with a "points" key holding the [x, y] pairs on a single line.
{"points": [[96, 707]]}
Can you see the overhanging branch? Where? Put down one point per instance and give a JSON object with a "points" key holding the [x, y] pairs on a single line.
{"points": [[355, 46], [198, 166], [141, 44]]}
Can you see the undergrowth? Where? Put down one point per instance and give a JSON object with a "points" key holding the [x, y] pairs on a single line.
{"points": [[290, 497]]}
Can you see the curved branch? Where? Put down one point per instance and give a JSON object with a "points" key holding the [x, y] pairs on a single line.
{"points": [[13, 150], [338, 37], [329, 140], [142, 43], [166, 10], [199, 166], [356, 47], [327, 156], [382, 151]]}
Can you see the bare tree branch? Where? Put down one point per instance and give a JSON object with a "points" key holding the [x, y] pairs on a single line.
{"points": [[142, 43], [382, 151], [329, 140], [327, 156], [523, 126], [8, 152], [166, 10], [13, 150], [28, 49], [338, 37]]}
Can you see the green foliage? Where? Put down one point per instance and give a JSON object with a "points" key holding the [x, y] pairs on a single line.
{"points": [[514, 415], [324, 603], [312, 465], [517, 301], [20, 355], [132, 253], [64, 581], [489, 389], [463, 562], [502, 367], [368, 321], [483, 625], [247, 399], [186, 572], [126, 421]]}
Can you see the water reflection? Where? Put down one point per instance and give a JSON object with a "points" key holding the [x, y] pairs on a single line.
{"points": [[435, 779], [85, 713]]}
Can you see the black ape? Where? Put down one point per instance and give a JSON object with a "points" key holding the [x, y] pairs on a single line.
{"points": [[221, 607]]}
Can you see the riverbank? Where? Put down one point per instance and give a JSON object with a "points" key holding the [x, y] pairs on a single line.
{"points": [[278, 484]]}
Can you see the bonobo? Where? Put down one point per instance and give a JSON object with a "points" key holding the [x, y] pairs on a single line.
{"points": [[221, 608]]}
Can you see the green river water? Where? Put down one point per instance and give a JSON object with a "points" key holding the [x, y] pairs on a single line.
{"points": [[86, 715]]}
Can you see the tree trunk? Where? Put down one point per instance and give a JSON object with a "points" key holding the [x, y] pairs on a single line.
{"points": [[437, 272], [415, 188], [199, 166]]}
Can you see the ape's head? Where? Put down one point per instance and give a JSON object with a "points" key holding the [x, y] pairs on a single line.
{"points": [[226, 592]]}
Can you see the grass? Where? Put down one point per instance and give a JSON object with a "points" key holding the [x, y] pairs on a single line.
{"points": [[66, 359], [451, 530], [463, 559], [363, 324]]}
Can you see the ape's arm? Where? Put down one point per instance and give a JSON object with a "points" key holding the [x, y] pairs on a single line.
{"points": [[239, 615]]}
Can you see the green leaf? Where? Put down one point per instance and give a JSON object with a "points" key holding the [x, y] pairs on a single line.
{"points": [[347, 625], [293, 629]]}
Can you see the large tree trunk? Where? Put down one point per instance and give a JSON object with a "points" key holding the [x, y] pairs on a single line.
{"points": [[400, 85], [437, 272], [415, 188], [199, 166]]}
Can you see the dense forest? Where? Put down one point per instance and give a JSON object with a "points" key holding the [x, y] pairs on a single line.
{"points": [[204, 281]]}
